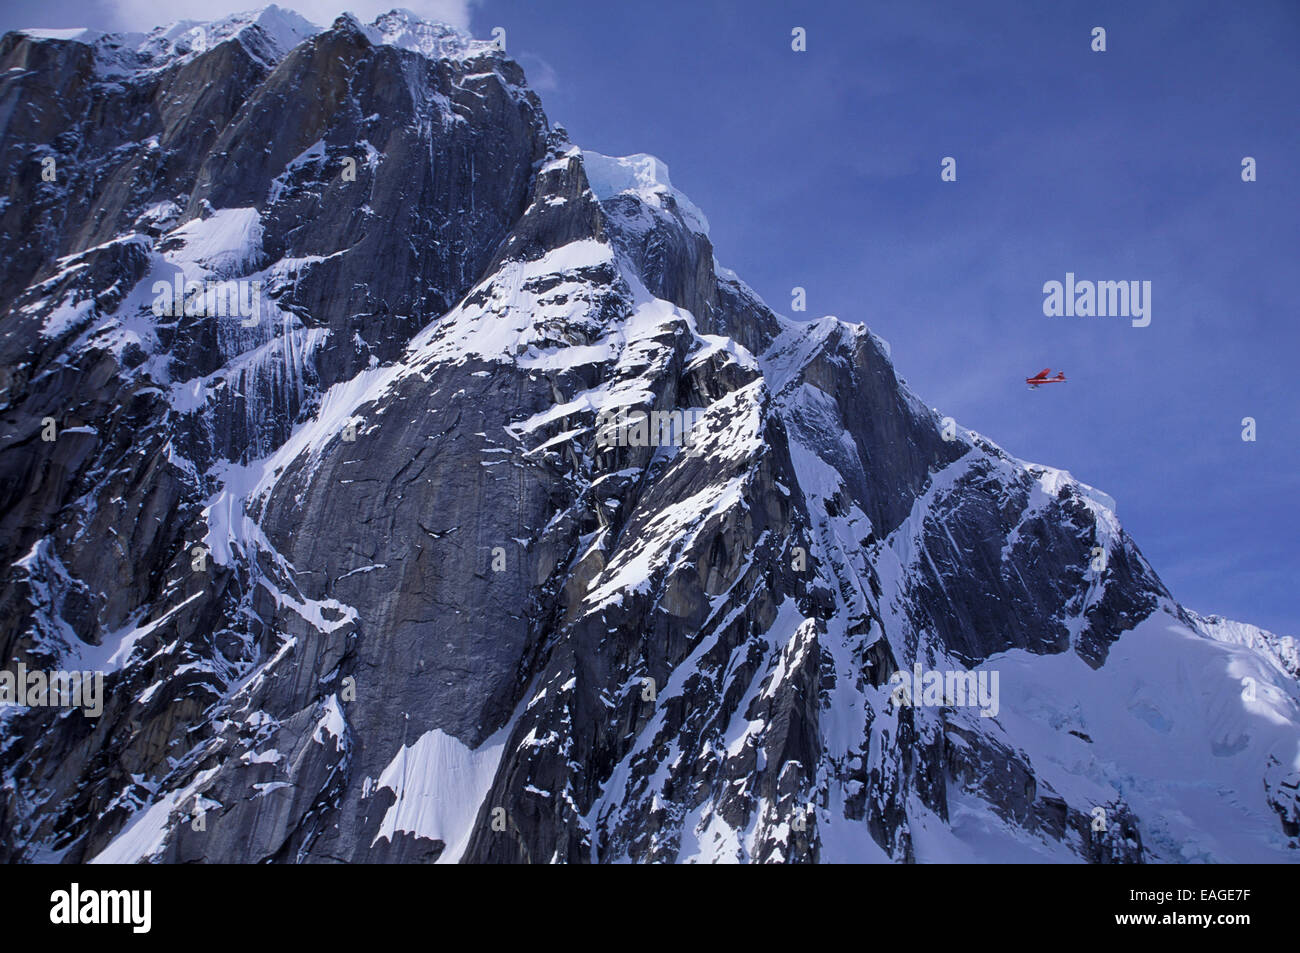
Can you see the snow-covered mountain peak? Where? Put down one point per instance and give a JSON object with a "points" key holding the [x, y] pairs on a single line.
{"points": [[643, 175], [401, 447], [409, 31], [285, 28], [133, 52]]}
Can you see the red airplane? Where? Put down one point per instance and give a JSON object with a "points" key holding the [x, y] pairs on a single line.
{"points": [[1042, 378]]}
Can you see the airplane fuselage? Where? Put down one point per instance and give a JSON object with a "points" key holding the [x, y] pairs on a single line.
{"points": [[1042, 378]]}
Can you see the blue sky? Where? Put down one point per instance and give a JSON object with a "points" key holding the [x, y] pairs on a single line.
{"points": [[821, 169]]}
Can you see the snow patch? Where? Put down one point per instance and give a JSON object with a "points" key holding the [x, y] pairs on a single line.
{"points": [[439, 782]]}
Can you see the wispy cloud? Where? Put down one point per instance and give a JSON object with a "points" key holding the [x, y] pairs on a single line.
{"points": [[541, 75]]}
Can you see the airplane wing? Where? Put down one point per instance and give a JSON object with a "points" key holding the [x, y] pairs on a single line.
{"points": [[1041, 375]]}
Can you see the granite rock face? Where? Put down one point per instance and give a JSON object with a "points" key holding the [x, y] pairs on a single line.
{"points": [[387, 565]]}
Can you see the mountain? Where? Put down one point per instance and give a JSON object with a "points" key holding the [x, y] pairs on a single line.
{"points": [[382, 564]]}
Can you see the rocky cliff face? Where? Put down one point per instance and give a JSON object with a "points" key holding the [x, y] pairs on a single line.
{"points": [[376, 574]]}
